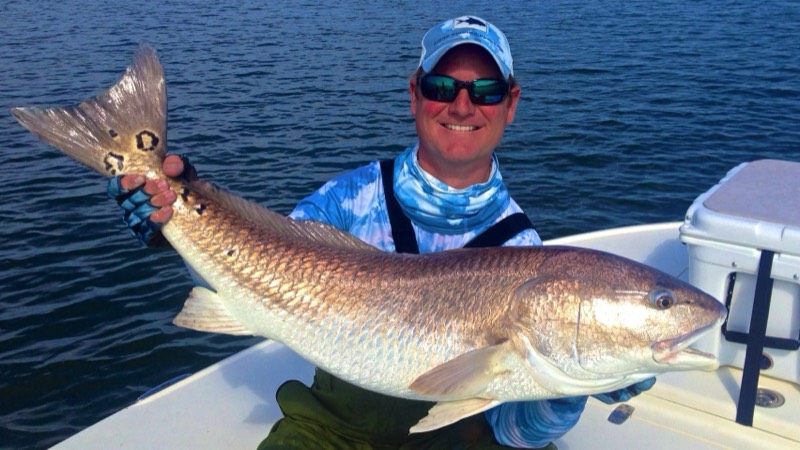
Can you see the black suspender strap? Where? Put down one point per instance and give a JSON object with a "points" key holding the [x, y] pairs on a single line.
{"points": [[502, 231], [755, 340], [405, 241]]}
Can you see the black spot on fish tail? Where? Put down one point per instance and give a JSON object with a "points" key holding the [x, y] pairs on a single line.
{"points": [[200, 209], [147, 141], [185, 194], [231, 252], [114, 163], [113, 133]]}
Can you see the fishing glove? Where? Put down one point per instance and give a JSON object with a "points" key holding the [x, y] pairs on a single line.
{"points": [[136, 207], [136, 210], [625, 394], [535, 423]]}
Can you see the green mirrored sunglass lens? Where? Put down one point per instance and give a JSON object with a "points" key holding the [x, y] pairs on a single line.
{"points": [[445, 89]]}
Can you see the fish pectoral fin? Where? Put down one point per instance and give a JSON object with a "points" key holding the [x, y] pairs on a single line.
{"points": [[465, 376], [445, 413], [204, 311]]}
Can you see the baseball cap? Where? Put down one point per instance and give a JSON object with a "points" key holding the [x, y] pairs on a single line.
{"points": [[466, 30]]}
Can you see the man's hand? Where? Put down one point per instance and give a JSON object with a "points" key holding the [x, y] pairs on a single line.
{"points": [[147, 204], [161, 196]]}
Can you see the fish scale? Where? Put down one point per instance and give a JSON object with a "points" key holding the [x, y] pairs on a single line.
{"points": [[467, 328]]}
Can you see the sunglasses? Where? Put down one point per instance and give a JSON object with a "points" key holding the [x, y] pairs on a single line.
{"points": [[483, 91]]}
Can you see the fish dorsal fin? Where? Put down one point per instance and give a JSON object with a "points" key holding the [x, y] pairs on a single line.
{"points": [[307, 230], [464, 376], [445, 413], [123, 130], [204, 311]]}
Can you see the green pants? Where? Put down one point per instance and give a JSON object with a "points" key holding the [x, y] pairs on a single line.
{"points": [[334, 414]]}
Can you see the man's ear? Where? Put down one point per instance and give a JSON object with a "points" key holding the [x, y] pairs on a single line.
{"points": [[412, 91], [513, 99]]}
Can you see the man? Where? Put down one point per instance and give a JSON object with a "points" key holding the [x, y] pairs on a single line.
{"points": [[445, 191]]}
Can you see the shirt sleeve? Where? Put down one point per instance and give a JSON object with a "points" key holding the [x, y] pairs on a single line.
{"points": [[342, 200], [524, 238], [536, 423], [321, 206]]}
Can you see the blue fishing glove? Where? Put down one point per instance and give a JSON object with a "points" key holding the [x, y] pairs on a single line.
{"points": [[536, 423], [136, 207], [625, 394], [136, 210]]}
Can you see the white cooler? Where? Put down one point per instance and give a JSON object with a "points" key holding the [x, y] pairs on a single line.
{"points": [[756, 207]]}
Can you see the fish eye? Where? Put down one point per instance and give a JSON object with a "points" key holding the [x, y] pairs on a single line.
{"points": [[663, 299]]}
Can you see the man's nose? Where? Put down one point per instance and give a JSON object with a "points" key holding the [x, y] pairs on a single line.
{"points": [[462, 105]]}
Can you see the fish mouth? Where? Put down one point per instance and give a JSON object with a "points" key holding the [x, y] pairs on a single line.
{"points": [[677, 354]]}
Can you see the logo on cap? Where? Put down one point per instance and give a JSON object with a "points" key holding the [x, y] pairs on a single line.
{"points": [[470, 22]]}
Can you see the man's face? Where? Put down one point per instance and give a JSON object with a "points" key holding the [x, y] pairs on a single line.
{"points": [[456, 139]]}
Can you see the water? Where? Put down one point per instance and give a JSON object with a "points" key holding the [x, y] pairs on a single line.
{"points": [[629, 110]]}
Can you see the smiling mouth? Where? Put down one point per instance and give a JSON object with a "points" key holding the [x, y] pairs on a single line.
{"points": [[453, 127]]}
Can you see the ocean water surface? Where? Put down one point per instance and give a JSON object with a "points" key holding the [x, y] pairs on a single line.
{"points": [[630, 109]]}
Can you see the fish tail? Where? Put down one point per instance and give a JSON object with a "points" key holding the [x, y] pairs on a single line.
{"points": [[123, 130]]}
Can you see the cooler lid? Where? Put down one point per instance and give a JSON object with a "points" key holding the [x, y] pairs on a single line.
{"points": [[767, 190], [756, 205]]}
